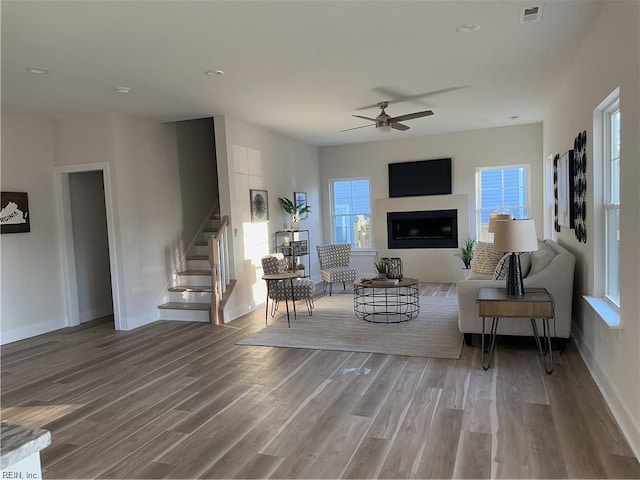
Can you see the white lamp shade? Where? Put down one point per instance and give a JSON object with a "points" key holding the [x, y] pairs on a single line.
{"points": [[494, 217], [384, 128], [515, 236]]}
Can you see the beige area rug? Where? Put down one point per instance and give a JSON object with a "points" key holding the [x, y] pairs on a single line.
{"points": [[333, 326]]}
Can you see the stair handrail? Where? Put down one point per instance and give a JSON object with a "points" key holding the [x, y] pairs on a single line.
{"points": [[218, 244]]}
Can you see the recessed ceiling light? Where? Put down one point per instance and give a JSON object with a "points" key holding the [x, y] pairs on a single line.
{"points": [[467, 28], [123, 90], [214, 73], [37, 71], [515, 117]]}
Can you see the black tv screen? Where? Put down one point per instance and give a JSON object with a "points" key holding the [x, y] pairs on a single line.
{"points": [[423, 177]]}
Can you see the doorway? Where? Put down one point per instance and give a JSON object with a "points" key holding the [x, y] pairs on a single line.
{"points": [[89, 251], [90, 244]]}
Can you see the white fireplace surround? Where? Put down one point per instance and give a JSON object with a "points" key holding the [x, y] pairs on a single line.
{"points": [[428, 264]]}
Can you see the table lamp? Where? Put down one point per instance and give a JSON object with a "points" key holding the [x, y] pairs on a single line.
{"points": [[515, 237]]}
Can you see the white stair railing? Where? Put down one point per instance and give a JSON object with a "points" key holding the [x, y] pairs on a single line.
{"points": [[219, 262]]}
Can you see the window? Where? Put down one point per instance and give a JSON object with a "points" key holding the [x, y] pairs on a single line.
{"points": [[351, 203], [500, 189], [611, 200]]}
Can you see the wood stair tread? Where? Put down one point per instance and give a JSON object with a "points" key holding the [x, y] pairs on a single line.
{"points": [[189, 288], [198, 257], [184, 306], [195, 272]]}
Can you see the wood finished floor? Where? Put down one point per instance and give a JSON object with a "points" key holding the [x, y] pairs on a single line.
{"points": [[180, 400]]}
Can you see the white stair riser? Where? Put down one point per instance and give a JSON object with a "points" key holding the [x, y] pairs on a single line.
{"points": [[194, 280], [190, 297], [184, 315], [198, 265]]}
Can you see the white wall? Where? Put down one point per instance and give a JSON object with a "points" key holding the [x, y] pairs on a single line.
{"points": [[608, 58], [469, 150], [149, 213], [30, 262], [148, 208], [251, 157], [91, 244]]}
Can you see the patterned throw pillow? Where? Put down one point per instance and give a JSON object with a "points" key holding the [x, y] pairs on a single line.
{"points": [[485, 258], [502, 269]]}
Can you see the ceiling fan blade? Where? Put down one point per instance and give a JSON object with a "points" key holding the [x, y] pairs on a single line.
{"points": [[395, 96], [365, 118], [411, 116], [355, 128], [399, 126]]}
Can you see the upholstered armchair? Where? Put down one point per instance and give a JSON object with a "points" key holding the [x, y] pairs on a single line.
{"points": [[334, 265], [281, 289]]}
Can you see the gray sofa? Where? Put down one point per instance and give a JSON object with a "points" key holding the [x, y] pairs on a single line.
{"points": [[552, 267]]}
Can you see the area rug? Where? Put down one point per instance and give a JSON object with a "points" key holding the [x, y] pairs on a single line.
{"points": [[333, 326]]}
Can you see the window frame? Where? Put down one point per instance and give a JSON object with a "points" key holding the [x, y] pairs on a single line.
{"points": [[478, 196], [334, 215], [609, 205]]}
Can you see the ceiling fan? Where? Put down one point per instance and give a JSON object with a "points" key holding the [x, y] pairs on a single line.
{"points": [[386, 122]]}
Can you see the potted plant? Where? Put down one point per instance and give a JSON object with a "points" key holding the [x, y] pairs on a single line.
{"points": [[300, 269], [465, 252], [293, 210], [381, 267]]}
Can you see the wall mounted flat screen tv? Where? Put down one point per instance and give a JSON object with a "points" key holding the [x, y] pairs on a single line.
{"points": [[423, 177]]}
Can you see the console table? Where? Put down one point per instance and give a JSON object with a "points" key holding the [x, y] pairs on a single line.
{"points": [[386, 303], [535, 304]]}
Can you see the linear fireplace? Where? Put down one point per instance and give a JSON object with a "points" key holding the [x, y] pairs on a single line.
{"points": [[424, 229]]}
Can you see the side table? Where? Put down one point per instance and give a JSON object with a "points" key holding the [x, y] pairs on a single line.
{"points": [[535, 304], [278, 277]]}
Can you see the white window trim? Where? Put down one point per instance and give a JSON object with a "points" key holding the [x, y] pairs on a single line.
{"points": [[332, 181], [599, 302]]}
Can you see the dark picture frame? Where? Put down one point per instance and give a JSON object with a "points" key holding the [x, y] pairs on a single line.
{"points": [[259, 201], [14, 216], [300, 198]]}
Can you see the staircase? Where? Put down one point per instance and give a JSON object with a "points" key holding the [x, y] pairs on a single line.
{"points": [[192, 297]]}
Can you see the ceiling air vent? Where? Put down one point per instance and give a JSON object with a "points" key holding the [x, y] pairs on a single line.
{"points": [[531, 14]]}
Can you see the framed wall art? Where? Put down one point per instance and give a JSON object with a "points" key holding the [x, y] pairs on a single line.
{"points": [[300, 198], [565, 190], [14, 212], [259, 200]]}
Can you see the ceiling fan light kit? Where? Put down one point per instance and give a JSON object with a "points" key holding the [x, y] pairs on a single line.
{"points": [[385, 123]]}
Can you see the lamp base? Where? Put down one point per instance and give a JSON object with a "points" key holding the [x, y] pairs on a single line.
{"points": [[515, 286]]}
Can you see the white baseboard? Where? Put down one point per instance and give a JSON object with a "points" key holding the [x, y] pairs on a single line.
{"points": [[623, 417], [13, 335]]}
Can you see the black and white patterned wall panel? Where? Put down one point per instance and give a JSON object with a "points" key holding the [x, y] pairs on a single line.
{"points": [[580, 186]]}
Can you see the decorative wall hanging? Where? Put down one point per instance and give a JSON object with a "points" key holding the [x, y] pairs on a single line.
{"points": [[300, 198], [14, 212], [565, 189], [556, 223], [579, 180], [259, 205]]}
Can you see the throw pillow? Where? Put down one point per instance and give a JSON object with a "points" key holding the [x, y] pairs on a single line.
{"points": [[540, 259], [485, 258], [502, 269]]}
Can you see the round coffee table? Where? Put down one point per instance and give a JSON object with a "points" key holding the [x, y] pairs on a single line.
{"points": [[386, 302]]}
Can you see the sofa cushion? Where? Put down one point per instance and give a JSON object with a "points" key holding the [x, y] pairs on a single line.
{"points": [[485, 258], [540, 259], [502, 269]]}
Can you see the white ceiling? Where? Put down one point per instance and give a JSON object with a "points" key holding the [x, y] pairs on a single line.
{"points": [[300, 68]]}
